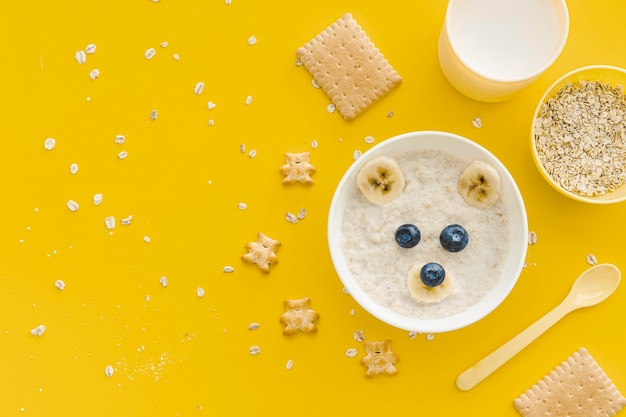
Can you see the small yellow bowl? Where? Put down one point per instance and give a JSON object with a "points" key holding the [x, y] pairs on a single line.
{"points": [[602, 73]]}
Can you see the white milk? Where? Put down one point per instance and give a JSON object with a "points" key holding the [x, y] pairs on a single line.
{"points": [[505, 40]]}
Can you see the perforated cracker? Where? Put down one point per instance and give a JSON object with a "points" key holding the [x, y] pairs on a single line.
{"points": [[348, 67], [576, 388]]}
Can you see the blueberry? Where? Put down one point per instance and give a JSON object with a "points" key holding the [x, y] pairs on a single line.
{"points": [[432, 274], [453, 238], [408, 235]]}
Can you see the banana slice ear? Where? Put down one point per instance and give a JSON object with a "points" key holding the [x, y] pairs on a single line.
{"points": [[380, 180], [479, 184]]}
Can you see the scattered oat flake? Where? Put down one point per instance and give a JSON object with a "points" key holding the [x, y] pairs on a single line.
{"points": [[253, 326], [242, 206], [210, 105], [73, 169], [49, 144], [390, 114], [120, 139], [430, 336], [122, 155], [163, 281], [198, 88], [412, 334], [200, 292], [331, 108], [147, 239], [80, 56], [302, 214], [252, 153], [150, 52], [91, 48], [359, 335], [351, 353], [532, 238], [314, 144], [352, 312], [72, 205], [591, 259], [242, 148], [108, 371], [356, 154], [252, 40], [126, 220], [95, 73], [38, 331], [164, 44], [289, 364], [477, 122], [369, 139], [291, 218], [176, 57], [59, 284], [211, 122], [228, 269], [109, 221], [248, 99], [298, 62], [97, 199], [255, 350]]}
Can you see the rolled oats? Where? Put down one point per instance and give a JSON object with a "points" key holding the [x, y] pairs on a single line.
{"points": [[580, 137]]}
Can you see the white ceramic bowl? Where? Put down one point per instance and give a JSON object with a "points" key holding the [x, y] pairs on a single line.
{"points": [[515, 258]]}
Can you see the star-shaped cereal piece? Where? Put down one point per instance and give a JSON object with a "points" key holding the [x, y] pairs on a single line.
{"points": [[299, 317], [262, 252], [379, 358], [297, 168]]}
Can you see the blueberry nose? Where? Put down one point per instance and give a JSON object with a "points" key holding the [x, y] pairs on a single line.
{"points": [[432, 274]]}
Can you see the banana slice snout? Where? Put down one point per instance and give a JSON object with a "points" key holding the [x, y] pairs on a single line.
{"points": [[479, 184], [380, 180], [429, 283]]}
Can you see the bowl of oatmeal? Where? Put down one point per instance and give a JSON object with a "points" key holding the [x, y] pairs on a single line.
{"points": [[578, 134], [428, 231]]}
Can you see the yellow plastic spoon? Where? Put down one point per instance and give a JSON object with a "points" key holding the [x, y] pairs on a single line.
{"points": [[591, 287]]}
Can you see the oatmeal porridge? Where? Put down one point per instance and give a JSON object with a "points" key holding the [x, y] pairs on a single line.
{"points": [[430, 201]]}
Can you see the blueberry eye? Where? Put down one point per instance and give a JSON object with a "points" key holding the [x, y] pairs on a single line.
{"points": [[408, 235], [454, 238], [432, 274]]}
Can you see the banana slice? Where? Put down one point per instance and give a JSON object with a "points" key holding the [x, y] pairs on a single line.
{"points": [[425, 294], [380, 180], [479, 184]]}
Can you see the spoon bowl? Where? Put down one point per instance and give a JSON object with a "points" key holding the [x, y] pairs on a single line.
{"points": [[594, 285], [591, 287]]}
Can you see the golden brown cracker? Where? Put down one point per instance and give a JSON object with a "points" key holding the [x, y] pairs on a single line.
{"points": [[379, 358], [262, 252], [299, 317], [576, 388], [298, 168], [348, 67]]}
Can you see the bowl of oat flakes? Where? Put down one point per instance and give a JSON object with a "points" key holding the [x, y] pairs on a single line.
{"points": [[578, 134], [427, 231]]}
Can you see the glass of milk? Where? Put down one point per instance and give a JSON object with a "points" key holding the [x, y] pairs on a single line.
{"points": [[490, 49]]}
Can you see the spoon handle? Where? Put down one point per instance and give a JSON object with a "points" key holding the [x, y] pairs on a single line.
{"points": [[483, 368]]}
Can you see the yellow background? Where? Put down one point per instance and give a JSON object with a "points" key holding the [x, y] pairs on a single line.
{"points": [[176, 354]]}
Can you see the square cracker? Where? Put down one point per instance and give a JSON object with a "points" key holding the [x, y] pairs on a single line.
{"points": [[348, 67], [577, 387]]}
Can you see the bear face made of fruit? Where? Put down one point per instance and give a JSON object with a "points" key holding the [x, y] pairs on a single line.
{"points": [[429, 281]]}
